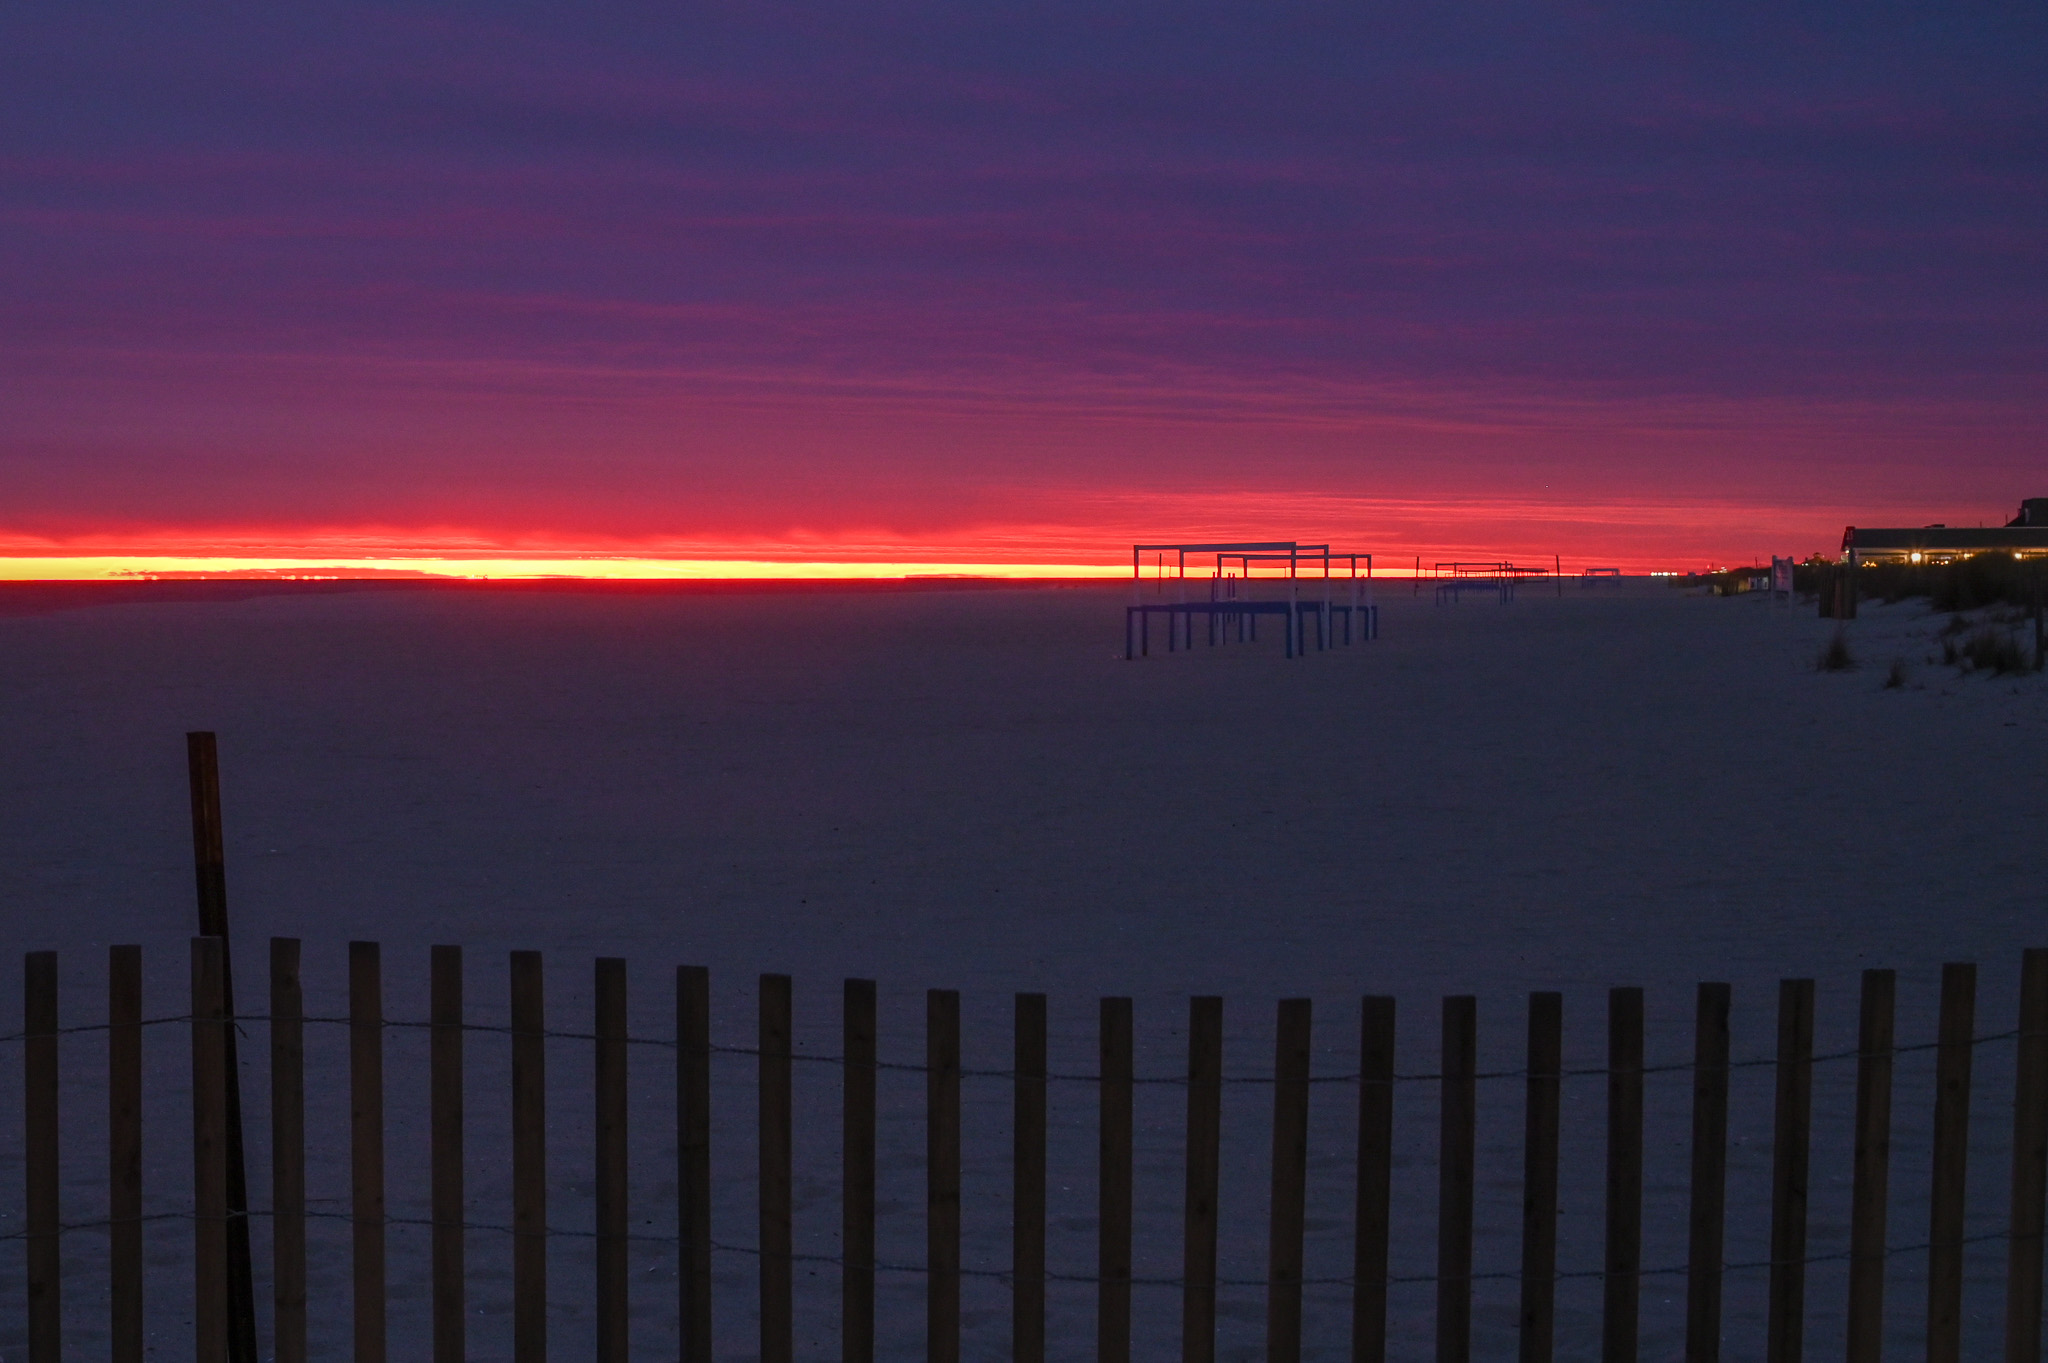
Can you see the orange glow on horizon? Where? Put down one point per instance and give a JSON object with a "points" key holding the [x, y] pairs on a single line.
{"points": [[143, 567], [1074, 534]]}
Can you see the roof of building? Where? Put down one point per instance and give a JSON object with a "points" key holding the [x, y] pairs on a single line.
{"points": [[1945, 539]]}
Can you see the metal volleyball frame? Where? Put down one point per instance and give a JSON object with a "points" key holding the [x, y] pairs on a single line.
{"points": [[1230, 607]]}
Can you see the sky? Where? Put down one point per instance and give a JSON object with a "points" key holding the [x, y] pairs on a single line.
{"points": [[988, 284]]}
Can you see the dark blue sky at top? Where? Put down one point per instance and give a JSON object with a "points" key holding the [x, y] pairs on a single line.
{"points": [[355, 218]]}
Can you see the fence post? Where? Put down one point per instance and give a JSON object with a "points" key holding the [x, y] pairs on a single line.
{"points": [[1872, 1175], [609, 989], [444, 1100], [1113, 1187], [209, 861], [1791, 1140], [366, 1144], [1952, 1066], [778, 1284], [40, 1162], [1455, 1143], [2029, 1164], [124, 1154], [529, 1160], [1621, 1285], [1371, 1213], [1539, 1177], [1027, 1185], [857, 1145], [1291, 1049], [209, 1156], [693, 1162], [942, 1174], [287, 1151], [1204, 1154], [1709, 1175]]}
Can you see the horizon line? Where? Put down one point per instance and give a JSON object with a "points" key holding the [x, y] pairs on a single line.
{"points": [[454, 568]]}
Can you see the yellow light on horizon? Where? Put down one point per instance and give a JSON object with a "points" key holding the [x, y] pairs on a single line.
{"points": [[322, 567]]}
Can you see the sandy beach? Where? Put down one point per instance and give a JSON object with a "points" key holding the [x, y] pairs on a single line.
{"points": [[972, 790]]}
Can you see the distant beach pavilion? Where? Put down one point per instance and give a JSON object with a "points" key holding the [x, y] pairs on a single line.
{"points": [[1497, 578], [1231, 608]]}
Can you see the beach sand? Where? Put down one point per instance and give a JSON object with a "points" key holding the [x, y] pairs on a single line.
{"points": [[973, 790]]}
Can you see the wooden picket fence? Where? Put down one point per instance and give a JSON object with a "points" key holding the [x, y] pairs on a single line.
{"points": [[225, 1322]]}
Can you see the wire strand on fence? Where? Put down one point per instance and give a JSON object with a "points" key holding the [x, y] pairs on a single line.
{"points": [[910, 1067]]}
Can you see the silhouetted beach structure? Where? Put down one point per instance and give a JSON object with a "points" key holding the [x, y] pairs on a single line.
{"points": [[1489, 577], [1230, 607], [1454, 580]]}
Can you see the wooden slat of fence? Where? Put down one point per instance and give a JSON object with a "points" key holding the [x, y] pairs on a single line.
{"points": [[778, 1285], [1791, 1140], [1113, 1187], [1289, 1208], [40, 1156], [1708, 1204], [1539, 1177], [942, 1175], [1621, 1287], [693, 1162], [287, 1152], [609, 990], [529, 1160], [1954, 1049], [1455, 1145], [2029, 1164], [444, 1009], [1027, 1190], [857, 1146], [1870, 1186], [124, 1154], [366, 1146], [1204, 1173], [209, 1155], [1372, 1212]]}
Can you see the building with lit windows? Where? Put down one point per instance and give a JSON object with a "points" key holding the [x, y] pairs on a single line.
{"points": [[2024, 536]]}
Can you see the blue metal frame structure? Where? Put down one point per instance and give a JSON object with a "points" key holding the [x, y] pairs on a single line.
{"points": [[1225, 609]]}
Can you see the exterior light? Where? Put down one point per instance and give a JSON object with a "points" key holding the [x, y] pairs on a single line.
{"points": [[1916, 556]]}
